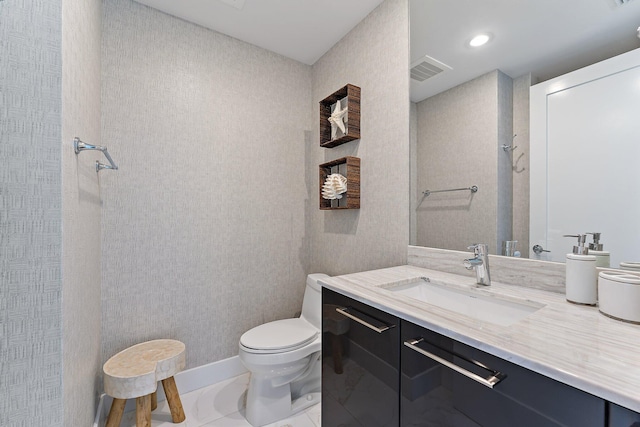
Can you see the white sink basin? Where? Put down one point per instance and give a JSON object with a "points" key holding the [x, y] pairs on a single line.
{"points": [[470, 302]]}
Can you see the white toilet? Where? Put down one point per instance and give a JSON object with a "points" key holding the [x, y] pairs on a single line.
{"points": [[284, 360]]}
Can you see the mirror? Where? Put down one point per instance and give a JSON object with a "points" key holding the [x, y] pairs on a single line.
{"points": [[465, 110]]}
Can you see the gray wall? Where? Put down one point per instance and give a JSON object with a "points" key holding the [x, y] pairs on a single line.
{"points": [[504, 186], [460, 132], [520, 161], [370, 56], [50, 281], [414, 194], [203, 232], [30, 214], [81, 34]]}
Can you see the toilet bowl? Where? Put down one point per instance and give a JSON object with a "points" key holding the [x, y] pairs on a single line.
{"points": [[283, 358]]}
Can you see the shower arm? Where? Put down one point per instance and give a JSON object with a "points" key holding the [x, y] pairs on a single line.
{"points": [[79, 146]]}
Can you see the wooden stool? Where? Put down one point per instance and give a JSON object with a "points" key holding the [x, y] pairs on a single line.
{"points": [[135, 372], [336, 324]]}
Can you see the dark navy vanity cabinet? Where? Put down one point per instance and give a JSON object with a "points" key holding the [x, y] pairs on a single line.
{"points": [[364, 341], [447, 383], [396, 373]]}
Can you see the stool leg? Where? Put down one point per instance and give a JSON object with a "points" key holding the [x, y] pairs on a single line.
{"points": [[336, 349], [115, 413], [154, 400], [143, 411], [173, 398]]}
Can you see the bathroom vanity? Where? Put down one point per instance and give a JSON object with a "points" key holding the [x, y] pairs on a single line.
{"points": [[517, 356]]}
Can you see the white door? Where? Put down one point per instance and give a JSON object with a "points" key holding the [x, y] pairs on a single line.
{"points": [[585, 158]]}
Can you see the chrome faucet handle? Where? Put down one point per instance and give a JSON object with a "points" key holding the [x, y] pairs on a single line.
{"points": [[539, 249], [471, 263], [474, 248], [479, 248], [479, 263]]}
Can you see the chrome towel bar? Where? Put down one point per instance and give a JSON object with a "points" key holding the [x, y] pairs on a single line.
{"points": [[473, 189], [79, 146]]}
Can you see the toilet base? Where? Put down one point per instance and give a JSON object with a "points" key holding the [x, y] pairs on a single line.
{"points": [[278, 407], [260, 410], [266, 403], [261, 415]]}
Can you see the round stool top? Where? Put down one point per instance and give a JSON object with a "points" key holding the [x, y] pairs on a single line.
{"points": [[135, 371]]}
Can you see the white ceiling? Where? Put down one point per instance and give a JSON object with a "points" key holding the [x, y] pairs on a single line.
{"points": [[544, 37], [303, 30]]}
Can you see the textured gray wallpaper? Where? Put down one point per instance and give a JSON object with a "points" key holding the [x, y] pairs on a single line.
{"points": [[374, 56], [203, 226], [30, 214], [504, 186], [520, 160], [81, 34], [414, 194], [459, 135]]}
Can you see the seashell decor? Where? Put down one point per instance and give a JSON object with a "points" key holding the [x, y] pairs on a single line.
{"points": [[338, 118], [334, 186]]}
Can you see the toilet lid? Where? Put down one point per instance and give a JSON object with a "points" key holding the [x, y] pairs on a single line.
{"points": [[279, 335]]}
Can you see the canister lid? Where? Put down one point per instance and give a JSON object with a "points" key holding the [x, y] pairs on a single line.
{"points": [[620, 276], [630, 265], [579, 257]]}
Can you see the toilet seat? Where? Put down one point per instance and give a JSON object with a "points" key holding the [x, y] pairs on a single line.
{"points": [[279, 336]]}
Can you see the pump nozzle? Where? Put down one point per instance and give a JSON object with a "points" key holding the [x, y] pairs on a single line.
{"points": [[596, 245], [580, 249]]}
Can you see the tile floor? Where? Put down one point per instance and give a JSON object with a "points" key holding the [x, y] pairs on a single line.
{"points": [[218, 405]]}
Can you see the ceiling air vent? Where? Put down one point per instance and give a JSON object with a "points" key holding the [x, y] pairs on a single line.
{"points": [[427, 67]]}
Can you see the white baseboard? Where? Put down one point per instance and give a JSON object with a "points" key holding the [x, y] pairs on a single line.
{"points": [[186, 381]]}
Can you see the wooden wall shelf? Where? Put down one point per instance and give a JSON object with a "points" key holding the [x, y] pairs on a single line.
{"points": [[350, 168], [353, 116]]}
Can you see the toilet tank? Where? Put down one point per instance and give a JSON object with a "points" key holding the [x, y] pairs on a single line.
{"points": [[312, 302]]}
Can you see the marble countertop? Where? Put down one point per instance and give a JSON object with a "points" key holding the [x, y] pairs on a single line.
{"points": [[570, 343]]}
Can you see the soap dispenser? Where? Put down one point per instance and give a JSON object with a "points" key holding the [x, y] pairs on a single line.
{"points": [[581, 274], [602, 257]]}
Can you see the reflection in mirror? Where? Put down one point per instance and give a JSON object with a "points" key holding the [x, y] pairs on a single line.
{"points": [[472, 103], [584, 160], [458, 132]]}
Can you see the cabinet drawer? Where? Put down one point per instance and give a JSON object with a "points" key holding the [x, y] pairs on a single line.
{"points": [[622, 417], [523, 398], [365, 393]]}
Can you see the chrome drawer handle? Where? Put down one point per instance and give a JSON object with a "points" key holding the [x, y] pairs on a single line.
{"points": [[490, 382], [344, 311]]}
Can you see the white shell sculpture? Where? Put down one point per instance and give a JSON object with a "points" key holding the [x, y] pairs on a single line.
{"points": [[334, 186], [337, 119]]}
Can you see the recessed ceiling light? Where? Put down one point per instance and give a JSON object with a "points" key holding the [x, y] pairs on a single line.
{"points": [[479, 40]]}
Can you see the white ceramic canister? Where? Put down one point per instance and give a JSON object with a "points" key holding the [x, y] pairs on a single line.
{"points": [[581, 279], [619, 295], [603, 258]]}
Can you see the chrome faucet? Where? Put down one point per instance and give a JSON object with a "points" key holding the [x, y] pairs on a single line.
{"points": [[480, 262]]}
